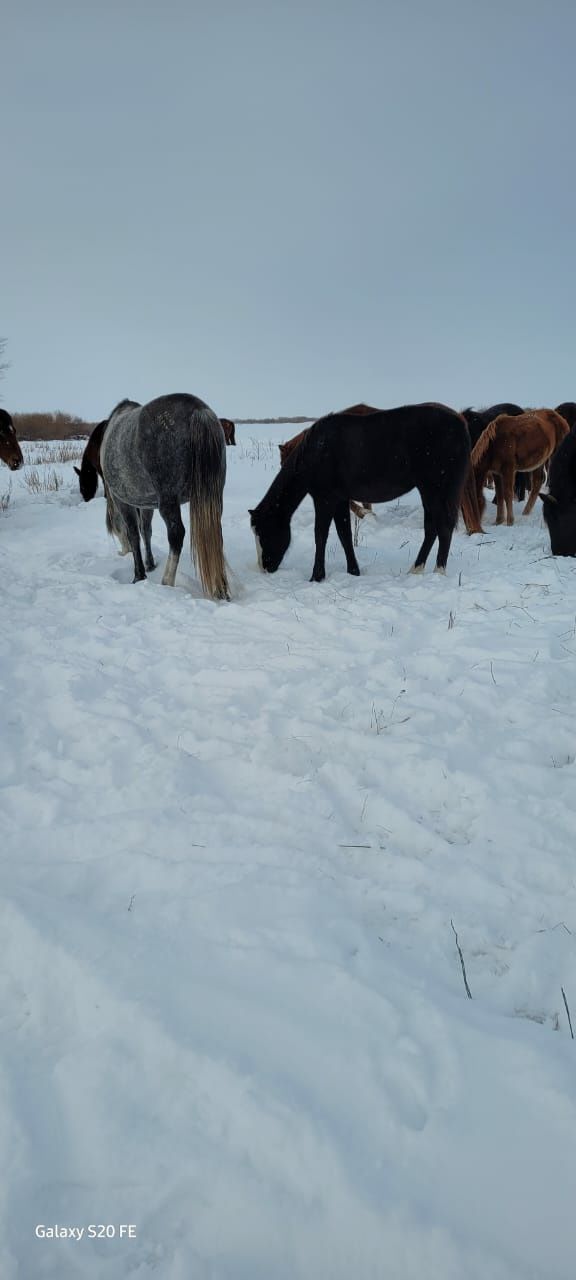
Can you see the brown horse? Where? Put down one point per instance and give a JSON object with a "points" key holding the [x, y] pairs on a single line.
{"points": [[229, 429], [290, 445], [510, 444], [10, 451]]}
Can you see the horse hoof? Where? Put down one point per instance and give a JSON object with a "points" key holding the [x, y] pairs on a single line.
{"points": [[354, 571], [440, 568], [417, 568], [318, 577], [141, 579]]}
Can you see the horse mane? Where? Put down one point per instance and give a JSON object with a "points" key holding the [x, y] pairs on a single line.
{"points": [[481, 446], [125, 404]]}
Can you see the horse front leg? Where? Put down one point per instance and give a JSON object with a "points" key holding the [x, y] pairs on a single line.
{"points": [[145, 515], [507, 477], [130, 518], [500, 504], [537, 479], [324, 510], [344, 531], [170, 512]]}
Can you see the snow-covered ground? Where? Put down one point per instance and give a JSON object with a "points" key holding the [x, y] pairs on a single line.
{"points": [[233, 841]]}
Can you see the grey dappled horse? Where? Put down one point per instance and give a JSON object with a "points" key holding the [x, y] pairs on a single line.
{"points": [[161, 454]]}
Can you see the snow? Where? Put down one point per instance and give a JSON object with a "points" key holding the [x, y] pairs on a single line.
{"points": [[234, 838]]}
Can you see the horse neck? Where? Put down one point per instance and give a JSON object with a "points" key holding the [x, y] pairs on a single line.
{"points": [[287, 490]]}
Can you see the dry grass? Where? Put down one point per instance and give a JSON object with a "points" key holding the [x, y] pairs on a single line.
{"points": [[5, 499], [43, 482], [54, 451]]}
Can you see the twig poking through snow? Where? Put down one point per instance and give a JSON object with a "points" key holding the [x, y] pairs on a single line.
{"points": [[567, 1012], [468, 991]]}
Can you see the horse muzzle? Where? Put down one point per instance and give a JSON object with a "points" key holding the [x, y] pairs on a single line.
{"points": [[16, 464]]}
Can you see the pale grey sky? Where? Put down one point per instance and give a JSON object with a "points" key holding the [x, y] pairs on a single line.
{"points": [[283, 207]]}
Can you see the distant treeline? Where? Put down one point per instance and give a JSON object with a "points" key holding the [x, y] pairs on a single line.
{"points": [[251, 421], [66, 426]]}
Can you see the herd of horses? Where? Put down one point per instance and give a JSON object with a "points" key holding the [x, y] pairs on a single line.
{"points": [[173, 450]]}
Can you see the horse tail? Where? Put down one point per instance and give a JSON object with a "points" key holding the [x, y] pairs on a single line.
{"points": [[469, 502], [208, 476]]}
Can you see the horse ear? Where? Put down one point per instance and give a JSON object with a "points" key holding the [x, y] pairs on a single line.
{"points": [[250, 511], [78, 471], [547, 497]]}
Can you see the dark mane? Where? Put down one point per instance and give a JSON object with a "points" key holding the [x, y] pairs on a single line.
{"points": [[126, 404]]}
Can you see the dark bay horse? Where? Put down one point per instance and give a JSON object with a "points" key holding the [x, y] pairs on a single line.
{"points": [[10, 451], [521, 443], [89, 468], [229, 429], [289, 445], [377, 458], [169, 451], [560, 501]]}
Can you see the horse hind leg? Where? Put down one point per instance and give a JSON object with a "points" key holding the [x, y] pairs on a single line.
{"points": [[130, 518], [145, 515], [344, 531], [537, 479], [430, 535], [170, 512]]}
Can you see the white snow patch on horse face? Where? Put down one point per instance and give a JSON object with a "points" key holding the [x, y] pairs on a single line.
{"points": [[258, 550]]}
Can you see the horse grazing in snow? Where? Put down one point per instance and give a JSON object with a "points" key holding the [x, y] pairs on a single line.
{"points": [[510, 444], [10, 451], [89, 468], [289, 445], [478, 420], [378, 457], [162, 454], [560, 501]]}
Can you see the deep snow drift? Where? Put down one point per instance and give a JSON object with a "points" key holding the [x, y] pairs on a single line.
{"points": [[233, 840]]}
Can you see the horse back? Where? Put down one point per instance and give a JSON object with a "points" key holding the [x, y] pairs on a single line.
{"points": [[384, 454]]}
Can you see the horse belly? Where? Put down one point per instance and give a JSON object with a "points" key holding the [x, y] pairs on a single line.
{"points": [[378, 490]]}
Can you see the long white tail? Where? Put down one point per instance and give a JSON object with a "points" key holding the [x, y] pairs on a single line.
{"points": [[208, 476]]}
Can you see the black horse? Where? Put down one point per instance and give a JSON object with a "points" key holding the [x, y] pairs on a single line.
{"points": [[560, 501], [89, 468], [478, 420], [568, 412], [375, 459]]}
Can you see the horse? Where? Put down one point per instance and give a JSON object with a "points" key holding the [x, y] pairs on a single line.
{"points": [[289, 445], [229, 429], [89, 468], [10, 451], [161, 454], [560, 501], [521, 443], [384, 455], [478, 420], [567, 410]]}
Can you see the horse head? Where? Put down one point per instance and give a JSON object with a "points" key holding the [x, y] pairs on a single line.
{"points": [[10, 451]]}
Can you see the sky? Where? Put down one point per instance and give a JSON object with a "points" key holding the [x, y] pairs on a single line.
{"points": [[284, 207]]}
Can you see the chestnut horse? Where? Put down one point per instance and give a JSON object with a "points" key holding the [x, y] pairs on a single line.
{"points": [[510, 444], [10, 451], [288, 447]]}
